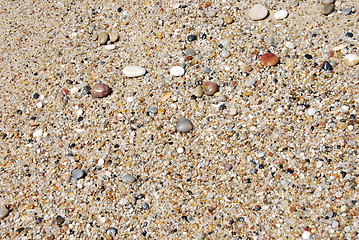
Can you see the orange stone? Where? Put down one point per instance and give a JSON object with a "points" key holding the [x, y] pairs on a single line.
{"points": [[269, 59]]}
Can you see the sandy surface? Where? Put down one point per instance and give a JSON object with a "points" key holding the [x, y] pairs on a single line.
{"points": [[273, 154]]}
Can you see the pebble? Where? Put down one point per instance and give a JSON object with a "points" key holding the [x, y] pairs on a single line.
{"points": [[250, 82], [133, 71], [102, 38], [269, 59], [110, 47], [306, 235], [100, 90], [184, 125], [327, 66], [177, 71], [113, 36], [257, 12], [281, 14], [289, 45], [325, 2], [351, 59], [128, 178], [191, 38], [228, 167], [78, 173], [111, 231], [327, 9], [311, 111], [3, 211], [228, 19], [37, 133], [210, 87], [271, 41], [347, 11], [198, 91]]}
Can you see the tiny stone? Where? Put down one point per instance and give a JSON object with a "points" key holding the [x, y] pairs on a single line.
{"points": [[271, 41], [327, 9], [281, 14], [113, 36], [311, 111], [257, 12], [325, 2], [289, 45], [36, 96], [102, 38], [210, 88], [133, 71], [184, 125], [228, 19], [349, 34], [177, 71], [269, 59], [326, 66], [351, 59], [94, 36], [128, 179], [100, 90], [347, 11], [145, 206], [250, 82], [191, 38], [37, 133], [78, 173], [225, 53], [3, 211], [198, 91], [110, 47], [60, 220], [306, 235], [111, 231]]}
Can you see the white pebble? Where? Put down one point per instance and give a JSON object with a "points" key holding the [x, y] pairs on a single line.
{"points": [[281, 14], [311, 111], [133, 71], [250, 82], [177, 71], [74, 90], [37, 133], [257, 12], [110, 47], [39, 105], [79, 112], [289, 45], [306, 235], [180, 150]]}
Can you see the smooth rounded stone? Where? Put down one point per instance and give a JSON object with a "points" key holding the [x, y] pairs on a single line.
{"points": [[211, 13], [225, 53], [184, 125], [189, 52], [289, 45], [324, 2], [133, 71], [198, 91], [94, 36], [113, 36], [191, 38], [228, 167], [128, 178], [311, 111], [111, 231], [250, 82], [78, 173], [210, 87], [110, 47], [3, 211], [327, 9], [257, 12], [281, 14], [102, 38], [271, 41], [306, 235], [351, 59], [269, 59], [347, 11], [100, 90], [327, 66], [177, 71], [228, 19]]}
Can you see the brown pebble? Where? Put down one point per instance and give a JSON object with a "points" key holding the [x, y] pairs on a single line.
{"points": [[113, 36], [228, 166], [100, 90], [64, 91], [269, 59], [198, 91], [330, 53], [210, 87], [102, 38], [228, 19], [327, 9]]}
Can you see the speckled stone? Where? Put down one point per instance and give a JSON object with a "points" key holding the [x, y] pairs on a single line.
{"points": [[351, 59], [184, 125]]}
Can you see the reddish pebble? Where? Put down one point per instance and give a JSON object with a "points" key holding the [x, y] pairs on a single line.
{"points": [[210, 88], [228, 167], [269, 59], [330, 53], [100, 90], [65, 91], [188, 58]]}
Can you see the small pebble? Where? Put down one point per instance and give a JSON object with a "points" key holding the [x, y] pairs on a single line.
{"points": [[133, 71], [326, 66], [250, 82], [327, 9], [325, 2], [281, 14], [177, 71], [37, 133], [210, 87], [145, 206], [128, 178], [113, 36], [228, 19], [228, 167], [184, 125], [351, 59], [311, 111], [271, 41], [60, 220], [78, 173], [347, 11], [349, 34], [111, 231], [3, 211], [191, 38], [198, 91], [102, 38], [257, 12], [269, 59], [100, 90]]}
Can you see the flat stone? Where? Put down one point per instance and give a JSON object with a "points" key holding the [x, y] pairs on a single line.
{"points": [[281, 14], [325, 2], [133, 71], [177, 71], [198, 91], [347, 10], [128, 178], [3, 211], [113, 36], [351, 59], [184, 125], [78, 173], [250, 82], [327, 9], [257, 12]]}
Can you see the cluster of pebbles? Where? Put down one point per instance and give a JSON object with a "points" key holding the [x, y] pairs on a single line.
{"points": [[179, 119]]}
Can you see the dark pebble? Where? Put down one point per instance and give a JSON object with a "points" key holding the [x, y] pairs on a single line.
{"points": [[119, 9], [191, 38], [145, 206], [60, 220], [308, 56], [78, 173], [36, 96], [69, 81], [86, 90], [326, 66], [349, 34]]}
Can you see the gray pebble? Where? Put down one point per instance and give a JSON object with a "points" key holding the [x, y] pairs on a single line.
{"points": [[271, 41], [327, 9], [347, 11], [206, 70], [111, 231], [327, 1], [128, 178], [3, 211], [153, 110], [228, 166], [189, 52], [78, 173], [184, 125], [145, 206], [250, 82]]}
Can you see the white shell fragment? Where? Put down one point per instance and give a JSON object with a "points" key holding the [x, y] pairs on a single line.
{"points": [[133, 71]]}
